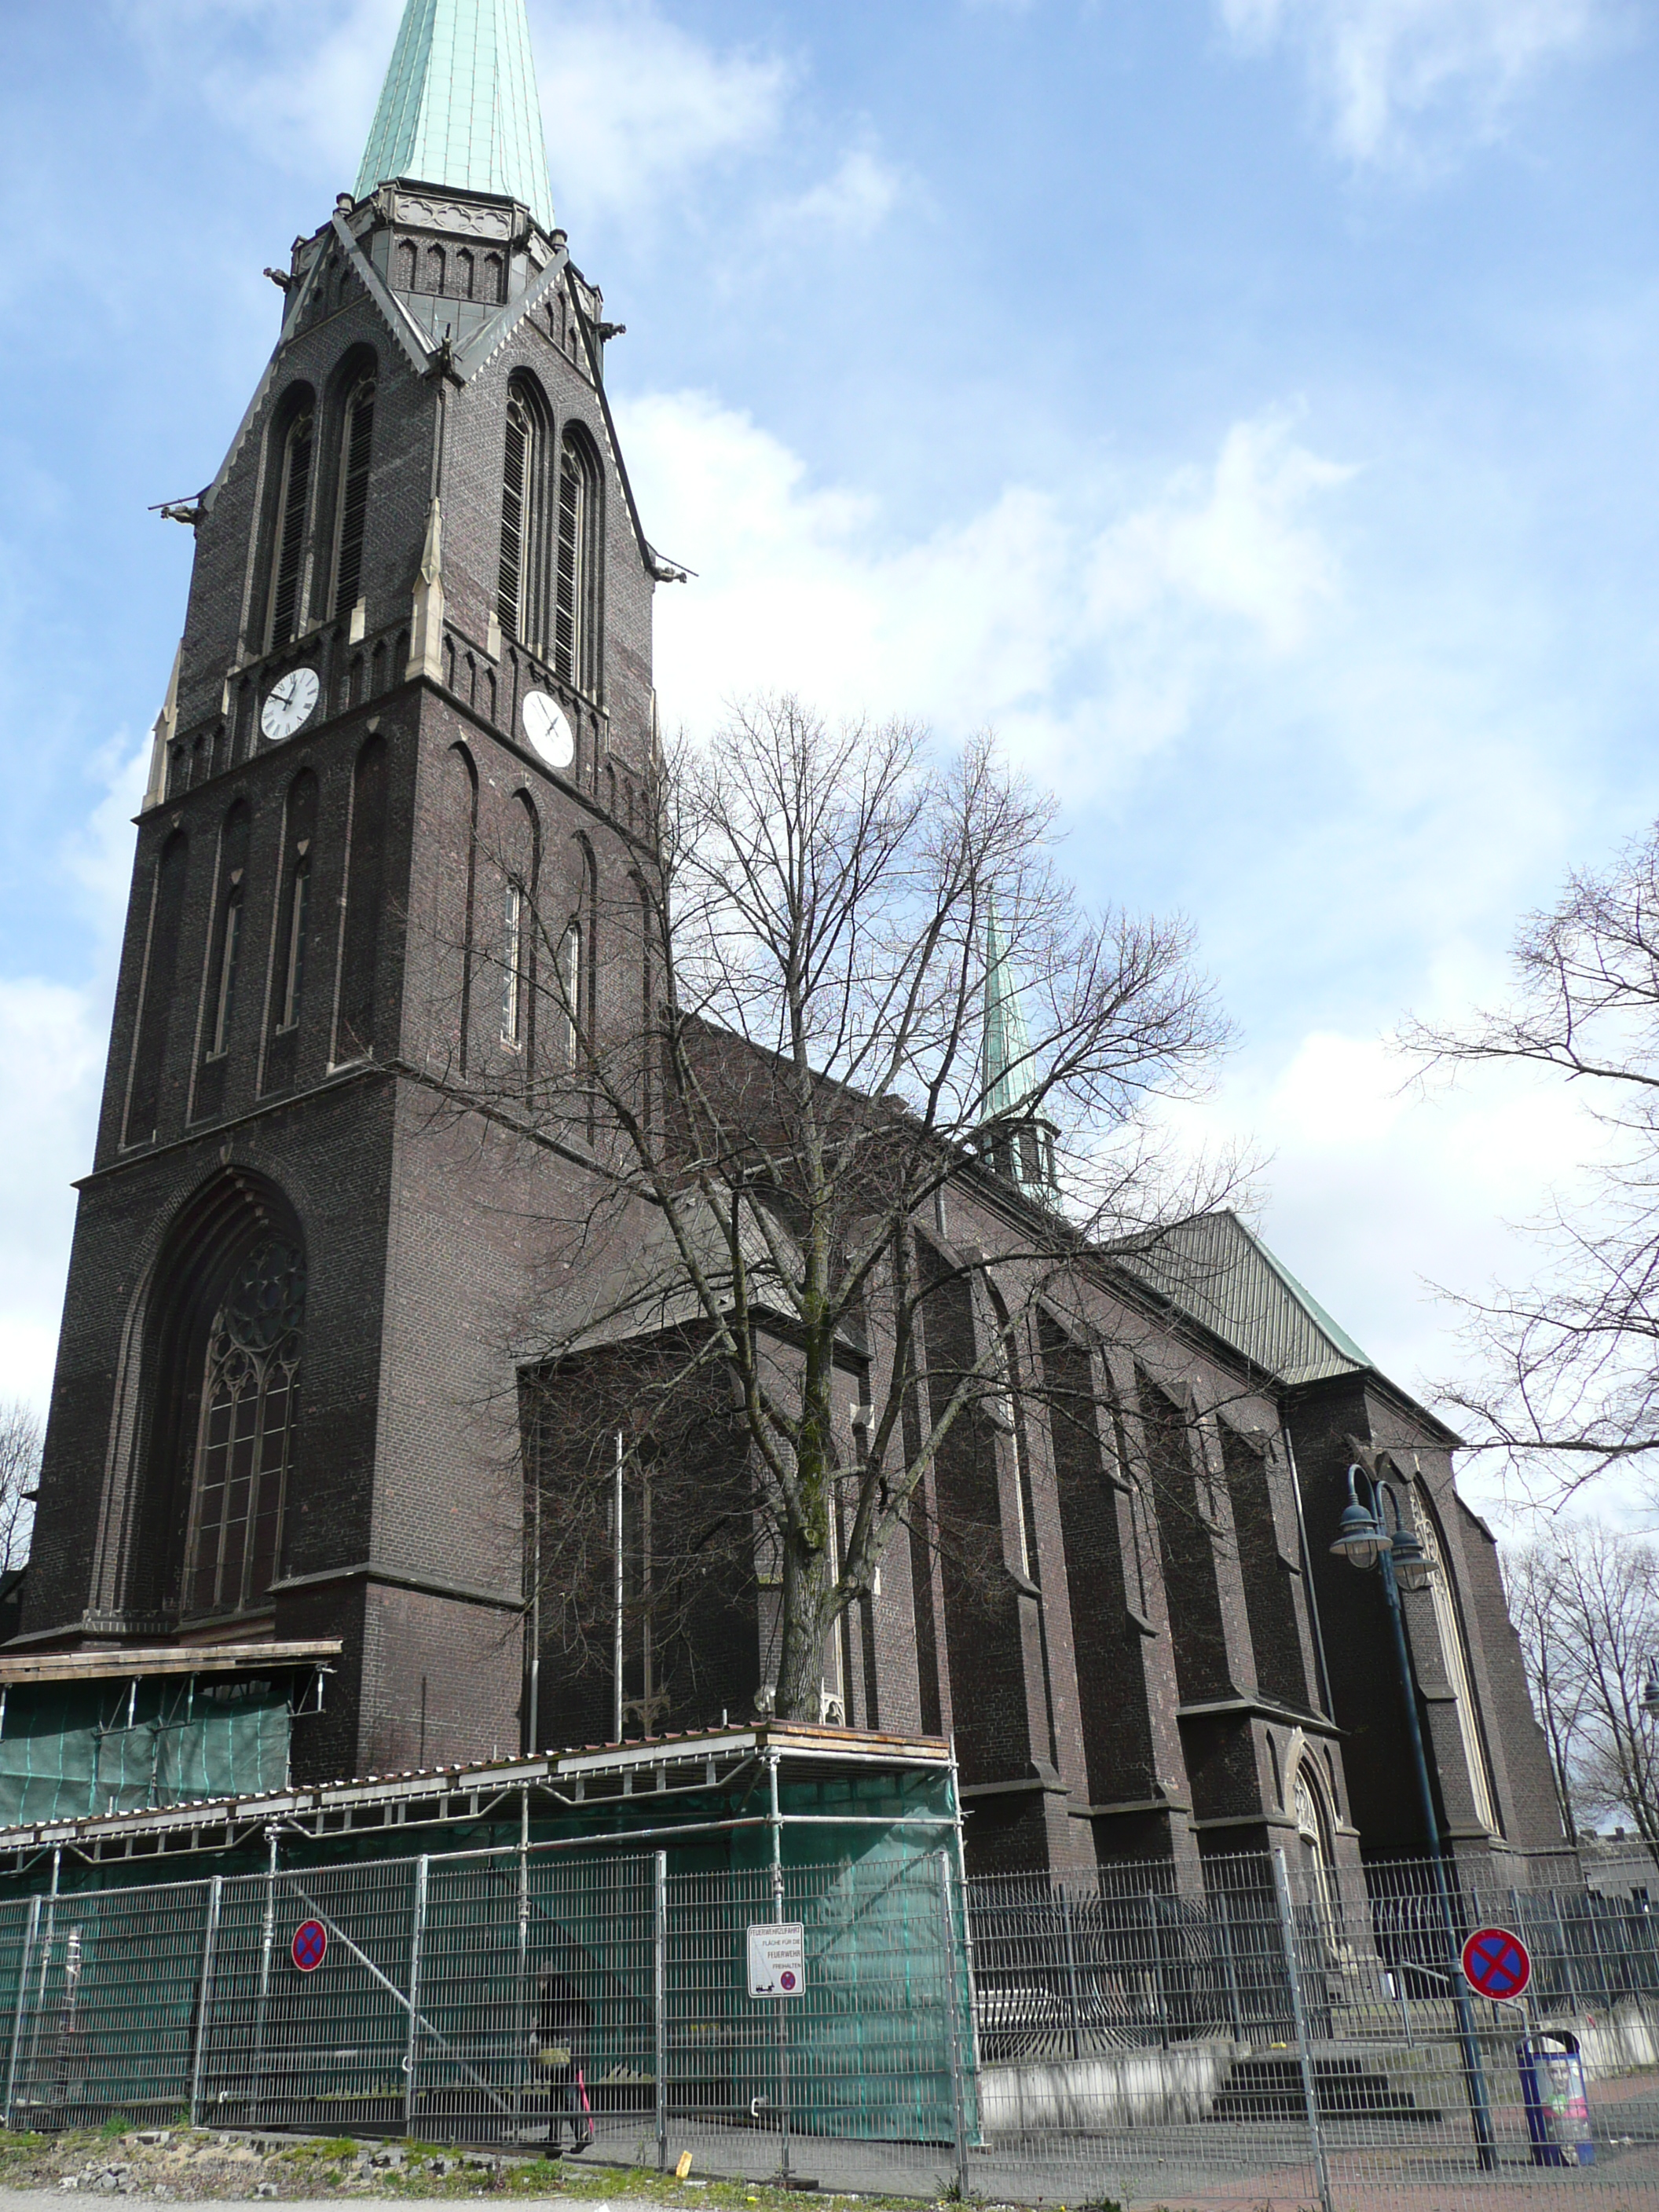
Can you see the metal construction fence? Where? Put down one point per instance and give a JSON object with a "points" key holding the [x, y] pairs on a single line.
{"points": [[520, 1997], [1288, 2036], [1277, 2037]]}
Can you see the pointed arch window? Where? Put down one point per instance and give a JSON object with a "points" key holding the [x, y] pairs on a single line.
{"points": [[294, 904], [294, 952], [245, 1433], [519, 589], [575, 612], [513, 967], [226, 951], [570, 987], [1453, 1644], [292, 510], [230, 949], [356, 437]]}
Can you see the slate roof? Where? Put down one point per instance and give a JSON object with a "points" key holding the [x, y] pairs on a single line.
{"points": [[1222, 1274], [459, 106]]}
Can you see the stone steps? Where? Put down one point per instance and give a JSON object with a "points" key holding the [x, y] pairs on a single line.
{"points": [[1268, 2086]]}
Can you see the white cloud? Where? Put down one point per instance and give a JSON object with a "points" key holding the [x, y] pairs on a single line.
{"points": [[297, 77], [1035, 600], [853, 204], [52, 1046], [52, 1040], [1235, 538], [1382, 69], [635, 105]]}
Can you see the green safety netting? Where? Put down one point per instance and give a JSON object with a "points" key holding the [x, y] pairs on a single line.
{"points": [[71, 1748]]}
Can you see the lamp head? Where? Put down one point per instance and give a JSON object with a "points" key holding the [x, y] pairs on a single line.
{"points": [[1413, 1570], [1361, 1539], [1650, 1692]]}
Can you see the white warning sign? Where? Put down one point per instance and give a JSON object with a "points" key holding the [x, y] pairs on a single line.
{"points": [[777, 1959]]}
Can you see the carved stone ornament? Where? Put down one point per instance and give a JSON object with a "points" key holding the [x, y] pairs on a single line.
{"points": [[471, 221]]}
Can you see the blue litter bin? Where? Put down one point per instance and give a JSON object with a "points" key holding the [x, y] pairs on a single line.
{"points": [[1552, 2091]]}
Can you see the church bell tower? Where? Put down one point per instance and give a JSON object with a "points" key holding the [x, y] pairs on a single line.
{"points": [[413, 689]]}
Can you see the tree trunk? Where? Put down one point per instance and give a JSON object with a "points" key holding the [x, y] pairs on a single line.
{"points": [[808, 1561]]}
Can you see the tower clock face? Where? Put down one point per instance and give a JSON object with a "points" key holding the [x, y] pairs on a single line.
{"points": [[288, 704], [548, 728]]}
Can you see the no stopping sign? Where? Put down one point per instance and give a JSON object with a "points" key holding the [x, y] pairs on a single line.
{"points": [[1496, 1964], [310, 1946]]}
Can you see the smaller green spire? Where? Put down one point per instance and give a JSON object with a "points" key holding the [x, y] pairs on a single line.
{"points": [[1024, 1152], [459, 106], [1006, 1046]]}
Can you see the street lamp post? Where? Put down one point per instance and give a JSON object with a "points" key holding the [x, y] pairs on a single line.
{"points": [[1363, 1540]]}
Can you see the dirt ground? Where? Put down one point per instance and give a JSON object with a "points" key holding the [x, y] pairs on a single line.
{"points": [[197, 2165]]}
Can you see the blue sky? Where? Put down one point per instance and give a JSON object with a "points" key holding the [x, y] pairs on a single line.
{"points": [[1244, 406]]}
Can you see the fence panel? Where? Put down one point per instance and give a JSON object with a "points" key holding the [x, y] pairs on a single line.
{"points": [[108, 2010]]}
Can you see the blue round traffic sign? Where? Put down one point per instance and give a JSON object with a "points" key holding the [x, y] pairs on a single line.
{"points": [[310, 1946], [1496, 1964]]}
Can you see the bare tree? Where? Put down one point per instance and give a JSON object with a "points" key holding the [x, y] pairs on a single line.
{"points": [[1593, 1626], [1554, 1665], [19, 1472], [828, 925], [1564, 1369]]}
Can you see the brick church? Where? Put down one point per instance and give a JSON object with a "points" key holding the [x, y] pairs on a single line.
{"points": [[418, 639]]}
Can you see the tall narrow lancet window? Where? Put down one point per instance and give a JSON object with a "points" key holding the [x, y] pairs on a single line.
{"points": [[245, 1433], [457, 862], [575, 615], [513, 967], [293, 903], [225, 962], [1454, 1652], [520, 869], [230, 953], [570, 989], [288, 544], [519, 588], [357, 435]]}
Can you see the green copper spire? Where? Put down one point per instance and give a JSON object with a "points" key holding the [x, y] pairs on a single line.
{"points": [[1007, 1048], [1025, 1152], [458, 106]]}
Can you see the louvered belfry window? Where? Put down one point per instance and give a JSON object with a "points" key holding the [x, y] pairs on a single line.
{"points": [[292, 504], [356, 439], [246, 1439], [573, 616], [515, 598]]}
